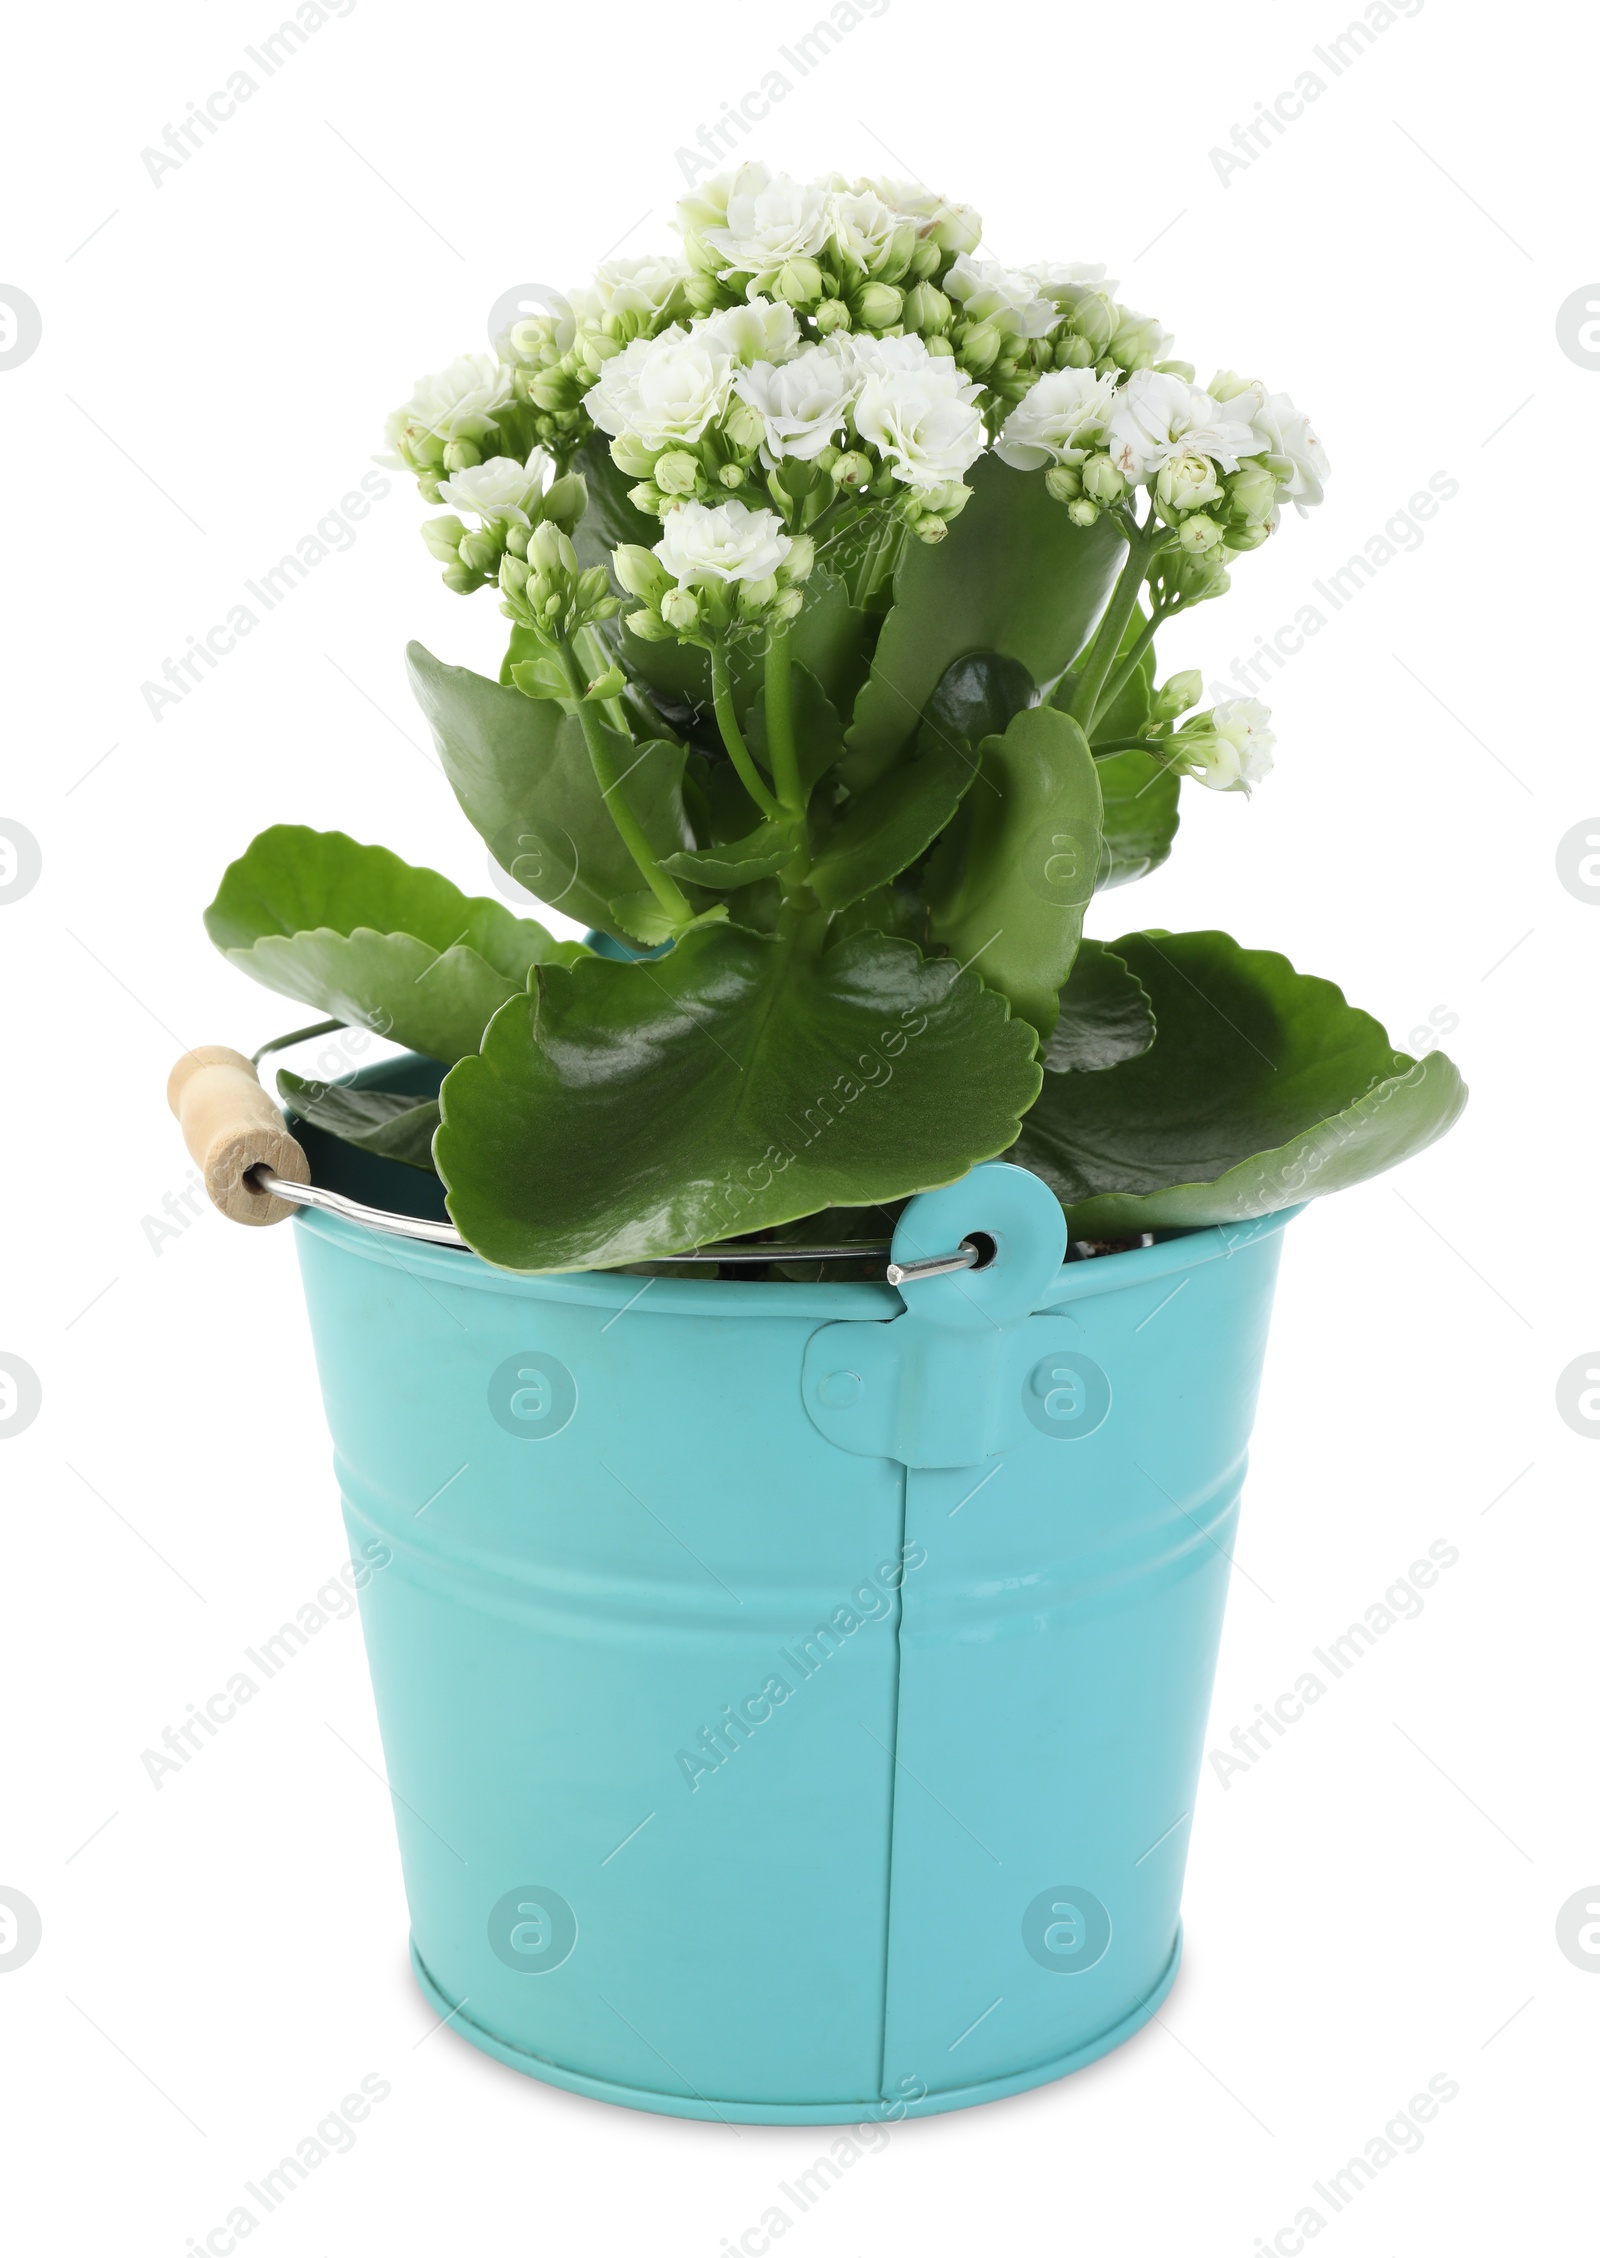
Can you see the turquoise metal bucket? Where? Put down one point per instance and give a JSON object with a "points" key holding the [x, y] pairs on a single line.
{"points": [[793, 1695]]}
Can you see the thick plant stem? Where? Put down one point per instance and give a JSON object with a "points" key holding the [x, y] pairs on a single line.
{"points": [[1103, 651], [671, 897], [780, 724], [1125, 672], [733, 737]]}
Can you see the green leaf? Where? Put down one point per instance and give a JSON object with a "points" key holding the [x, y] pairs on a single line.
{"points": [[818, 731], [1014, 575], [538, 674], [892, 823], [762, 853], [1139, 815], [385, 1122], [521, 771], [627, 1111], [374, 941], [1028, 847], [1105, 1015], [976, 697], [1262, 1087]]}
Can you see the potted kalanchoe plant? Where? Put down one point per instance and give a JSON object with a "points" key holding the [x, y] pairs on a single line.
{"points": [[834, 555]]}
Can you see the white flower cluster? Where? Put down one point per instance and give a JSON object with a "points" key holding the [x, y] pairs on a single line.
{"points": [[746, 389], [1228, 749]]}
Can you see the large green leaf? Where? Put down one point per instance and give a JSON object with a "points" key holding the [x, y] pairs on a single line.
{"points": [[372, 940], [1010, 894], [1105, 1015], [386, 1122], [1262, 1087], [625, 1111], [1014, 575], [521, 771]]}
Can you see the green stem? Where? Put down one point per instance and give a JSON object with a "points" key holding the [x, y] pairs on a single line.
{"points": [[1125, 671], [1118, 612], [733, 737], [670, 896], [596, 659], [780, 723]]}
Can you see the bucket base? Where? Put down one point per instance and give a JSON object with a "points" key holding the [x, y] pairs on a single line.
{"points": [[795, 2112]]}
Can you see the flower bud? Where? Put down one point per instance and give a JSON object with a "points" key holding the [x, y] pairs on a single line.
{"points": [[742, 424], [802, 555], [798, 282], [648, 498], [1063, 483], [641, 573], [461, 454], [926, 259], [1243, 538], [731, 474], [551, 551], [1083, 511], [1102, 481], [1187, 482], [755, 595], [853, 469], [701, 292], [832, 314], [565, 501], [460, 581], [517, 538], [926, 310], [593, 351], [444, 536], [1178, 695], [930, 529], [480, 552], [1074, 352], [592, 588], [513, 575], [677, 473], [680, 608], [1252, 494], [980, 347], [1199, 533], [877, 305]]}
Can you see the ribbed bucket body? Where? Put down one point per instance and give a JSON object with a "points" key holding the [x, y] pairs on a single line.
{"points": [[793, 1695]]}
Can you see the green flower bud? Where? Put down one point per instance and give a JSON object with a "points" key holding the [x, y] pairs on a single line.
{"points": [[980, 347], [1083, 511], [930, 529], [756, 595], [592, 588], [1185, 369], [832, 314], [460, 581], [444, 536], [1136, 340], [797, 565], [462, 454], [1063, 483], [742, 425], [731, 474], [565, 501], [1242, 538], [594, 350], [1074, 352], [1187, 482], [640, 572], [926, 259], [799, 282], [852, 470], [480, 552], [786, 607], [1252, 494], [701, 292], [1102, 481], [680, 608], [926, 310], [648, 498], [631, 459], [877, 305], [551, 551], [937, 345], [677, 473], [517, 538], [1199, 533], [1178, 695], [648, 626], [513, 575]]}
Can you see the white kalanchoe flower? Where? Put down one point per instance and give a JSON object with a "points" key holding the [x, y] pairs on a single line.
{"points": [[863, 228], [1283, 430], [642, 287], [770, 219], [460, 402], [1064, 280], [664, 391], [987, 291], [700, 546], [499, 490], [1231, 747], [926, 425], [866, 355], [956, 227], [764, 329], [803, 404], [1157, 417], [1062, 415]]}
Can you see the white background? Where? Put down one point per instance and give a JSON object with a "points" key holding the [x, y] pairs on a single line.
{"points": [[1375, 1901]]}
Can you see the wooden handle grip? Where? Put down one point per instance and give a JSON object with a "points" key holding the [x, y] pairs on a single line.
{"points": [[230, 1125]]}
